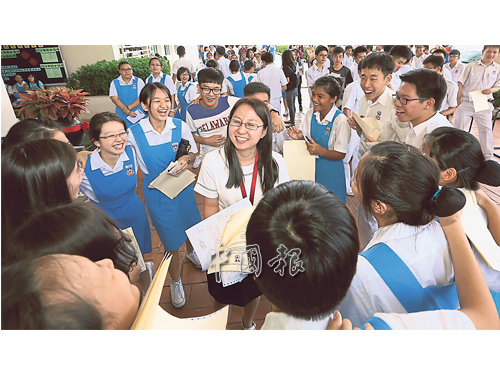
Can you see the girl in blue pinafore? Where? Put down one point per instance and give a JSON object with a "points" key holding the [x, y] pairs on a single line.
{"points": [[124, 92], [110, 180], [156, 141], [186, 92], [329, 132], [237, 79]]}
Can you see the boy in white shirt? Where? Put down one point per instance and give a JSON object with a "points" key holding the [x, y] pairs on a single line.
{"points": [[318, 69], [441, 52], [454, 65], [359, 54], [183, 61], [418, 59], [273, 77], [401, 55], [449, 106], [348, 59]]}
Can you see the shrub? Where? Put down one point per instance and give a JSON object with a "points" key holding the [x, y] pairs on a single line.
{"points": [[282, 48], [96, 78]]}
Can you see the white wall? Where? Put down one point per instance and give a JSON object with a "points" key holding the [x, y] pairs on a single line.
{"points": [[8, 115]]}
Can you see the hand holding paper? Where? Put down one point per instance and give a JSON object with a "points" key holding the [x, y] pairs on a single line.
{"points": [[479, 100], [369, 125]]}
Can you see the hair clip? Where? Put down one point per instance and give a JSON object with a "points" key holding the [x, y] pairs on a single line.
{"points": [[462, 170], [436, 194]]}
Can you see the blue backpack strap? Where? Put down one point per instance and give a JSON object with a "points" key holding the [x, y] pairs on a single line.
{"points": [[378, 324], [405, 285], [496, 299]]}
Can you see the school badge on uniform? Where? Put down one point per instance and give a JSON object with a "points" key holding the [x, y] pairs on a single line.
{"points": [[130, 170], [134, 86], [175, 146], [379, 113]]}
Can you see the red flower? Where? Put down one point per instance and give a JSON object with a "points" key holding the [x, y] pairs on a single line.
{"points": [[85, 125]]}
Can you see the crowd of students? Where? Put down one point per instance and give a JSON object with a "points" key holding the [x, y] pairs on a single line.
{"points": [[67, 265]]}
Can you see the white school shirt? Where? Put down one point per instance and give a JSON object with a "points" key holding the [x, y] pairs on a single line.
{"points": [[214, 172], [340, 134], [390, 126], [112, 88], [313, 73], [280, 320], [424, 250], [354, 71], [224, 66], [169, 82], [96, 162], [154, 138], [450, 100], [352, 94], [192, 91], [405, 69], [428, 320], [447, 74], [182, 62], [348, 61], [418, 62], [395, 80], [415, 135], [456, 71], [477, 76], [274, 78]]}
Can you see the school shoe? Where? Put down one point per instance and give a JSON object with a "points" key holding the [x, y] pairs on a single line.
{"points": [[177, 293], [191, 255], [349, 192], [286, 113], [197, 162], [252, 328]]}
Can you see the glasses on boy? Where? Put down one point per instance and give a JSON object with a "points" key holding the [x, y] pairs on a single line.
{"points": [[207, 90], [404, 101]]}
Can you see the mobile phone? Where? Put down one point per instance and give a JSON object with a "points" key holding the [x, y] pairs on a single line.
{"points": [[308, 140]]}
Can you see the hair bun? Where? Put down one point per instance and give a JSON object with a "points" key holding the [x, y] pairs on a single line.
{"points": [[489, 173], [447, 201]]}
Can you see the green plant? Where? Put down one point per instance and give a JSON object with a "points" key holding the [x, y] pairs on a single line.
{"points": [[282, 48], [95, 78], [54, 104], [496, 99]]}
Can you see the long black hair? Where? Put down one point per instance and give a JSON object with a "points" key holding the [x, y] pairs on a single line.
{"points": [[267, 166]]}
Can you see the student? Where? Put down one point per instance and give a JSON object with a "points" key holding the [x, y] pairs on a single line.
{"points": [[338, 69], [442, 53], [359, 54], [222, 61], [327, 135], [377, 101], [454, 65], [303, 215], [481, 75], [32, 129], [20, 87], [186, 92], [155, 141], [316, 69], [449, 106], [288, 66], [156, 65], [273, 77], [348, 59], [417, 103], [124, 92], [299, 68], [462, 165], [34, 84], [400, 54], [249, 69], [182, 61], [110, 181], [72, 275], [237, 81], [350, 102], [420, 56], [226, 178], [399, 186]]}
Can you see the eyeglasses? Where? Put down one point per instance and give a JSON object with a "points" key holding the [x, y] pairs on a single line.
{"points": [[322, 55], [249, 125], [453, 56], [155, 65], [207, 90], [404, 101], [185, 74], [126, 70], [113, 136]]}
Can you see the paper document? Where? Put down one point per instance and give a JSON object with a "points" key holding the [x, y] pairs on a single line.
{"points": [[479, 100], [140, 115], [301, 165], [206, 235], [152, 317], [369, 125], [171, 186], [478, 232]]}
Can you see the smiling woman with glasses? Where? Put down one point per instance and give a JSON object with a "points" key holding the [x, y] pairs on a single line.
{"points": [[244, 167], [124, 92]]}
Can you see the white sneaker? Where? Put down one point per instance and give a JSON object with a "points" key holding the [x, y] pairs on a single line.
{"points": [[177, 293], [191, 255], [197, 162], [252, 328], [150, 267], [349, 192]]}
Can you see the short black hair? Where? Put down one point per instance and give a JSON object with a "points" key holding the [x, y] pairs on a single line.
{"points": [[380, 61], [330, 85], [181, 50], [338, 49], [358, 50], [428, 84], [320, 49], [220, 50], [435, 60], [212, 64], [454, 52], [267, 57], [210, 75], [247, 65], [234, 66], [305, 215], [256, 87], [401, 51]]}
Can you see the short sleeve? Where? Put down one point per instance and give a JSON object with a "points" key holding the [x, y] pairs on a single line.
{"points": [[342, 135], [112, 89], [206, 184]]}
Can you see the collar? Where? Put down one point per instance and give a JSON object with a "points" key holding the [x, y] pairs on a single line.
{"points": [[328, 118], [398, 231], [422, 127], [96, 161], [122, 82], [384, 99], [147, 127]]}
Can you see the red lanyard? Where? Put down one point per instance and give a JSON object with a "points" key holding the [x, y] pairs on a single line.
{"points": [[254, 181]]}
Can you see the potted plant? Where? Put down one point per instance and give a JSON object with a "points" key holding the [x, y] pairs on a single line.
{"points": [[59, 104]]}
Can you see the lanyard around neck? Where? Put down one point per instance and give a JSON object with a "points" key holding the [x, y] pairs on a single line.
{"points": [[254, 181]]}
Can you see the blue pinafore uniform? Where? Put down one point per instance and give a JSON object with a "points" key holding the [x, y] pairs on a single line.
{"points": [[127, 94], [181, 95], [170, 217], [238, 86], [407, 288], [118, 199], [329, 173]]}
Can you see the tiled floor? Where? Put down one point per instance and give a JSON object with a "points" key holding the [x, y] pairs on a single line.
{"points": [[199, 302]]}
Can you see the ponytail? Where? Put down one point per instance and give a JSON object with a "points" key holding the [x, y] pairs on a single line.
{"points": [[446, 202], [489, 173]]}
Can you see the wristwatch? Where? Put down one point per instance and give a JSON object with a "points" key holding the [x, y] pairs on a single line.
{"points": [[274, 110]]}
